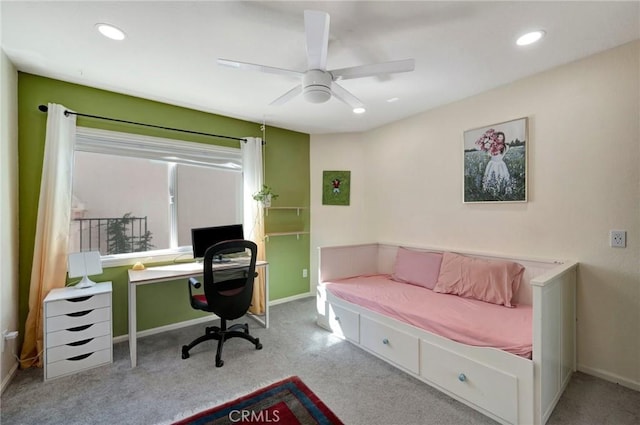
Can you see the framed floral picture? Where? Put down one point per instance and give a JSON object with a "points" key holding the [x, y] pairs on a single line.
{"points": [[495, 162], [336, 187]]}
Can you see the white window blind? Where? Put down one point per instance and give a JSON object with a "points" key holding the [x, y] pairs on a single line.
{"points": [[157, 148]]}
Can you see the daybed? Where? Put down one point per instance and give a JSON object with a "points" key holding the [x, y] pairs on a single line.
{"points": [[518, 383]]}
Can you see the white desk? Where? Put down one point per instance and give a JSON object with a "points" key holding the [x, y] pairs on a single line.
{"points": [[177, 272]]}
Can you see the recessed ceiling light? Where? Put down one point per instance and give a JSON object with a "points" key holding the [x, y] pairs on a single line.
{"points": [[530, 37], [110, 31], [359, 110], [393, 99]]}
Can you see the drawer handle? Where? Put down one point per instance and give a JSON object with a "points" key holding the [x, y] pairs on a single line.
{"points": [[79, 313], [79, 299], [80, 357], [385, 341], [337, 319], [83, 342], [462, 377], [80, 328]]}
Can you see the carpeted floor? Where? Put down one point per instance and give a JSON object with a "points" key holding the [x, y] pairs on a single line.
{"points": [[358, 387]]}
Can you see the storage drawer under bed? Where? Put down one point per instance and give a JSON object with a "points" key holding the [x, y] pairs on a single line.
{"points": [[480, 384], [390, 343], [344, 323]]}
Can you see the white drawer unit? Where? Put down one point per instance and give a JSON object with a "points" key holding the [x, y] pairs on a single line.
{"points": [[344, 323], [390, 343], [77, 330], [478, 383]]}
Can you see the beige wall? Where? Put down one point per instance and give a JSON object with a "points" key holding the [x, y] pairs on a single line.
{"points": [[584, 180], [8, 212], [334, 224]]}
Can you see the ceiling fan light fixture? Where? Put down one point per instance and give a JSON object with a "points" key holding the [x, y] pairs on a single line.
{"points": [[317, 94], [316, 86], [530, 38], [111, 32]]}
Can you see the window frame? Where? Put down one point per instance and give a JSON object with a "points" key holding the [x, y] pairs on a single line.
{"points": [[171, 151]]}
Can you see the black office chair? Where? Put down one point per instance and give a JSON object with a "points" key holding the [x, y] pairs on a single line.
{"points": [[227, 294]]}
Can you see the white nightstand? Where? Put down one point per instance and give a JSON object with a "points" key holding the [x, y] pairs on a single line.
{"points": [[77, 329]]}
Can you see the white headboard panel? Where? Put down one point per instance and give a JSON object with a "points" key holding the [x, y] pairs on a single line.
{"points": [[347, 261]]}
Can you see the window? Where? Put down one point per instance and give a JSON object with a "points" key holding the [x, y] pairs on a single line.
{"points": [[138, 196]]}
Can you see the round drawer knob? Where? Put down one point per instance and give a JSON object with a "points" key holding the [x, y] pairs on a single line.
{"points": [[337, 319], [385, 341], [462, 377]]}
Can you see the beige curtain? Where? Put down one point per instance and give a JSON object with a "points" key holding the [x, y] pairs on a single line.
{"points": [[252, 170], [49, 266]]}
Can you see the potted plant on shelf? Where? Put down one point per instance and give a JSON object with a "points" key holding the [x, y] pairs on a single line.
{"points": [[265, 196]]}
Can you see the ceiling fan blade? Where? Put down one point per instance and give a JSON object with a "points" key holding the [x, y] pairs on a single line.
{"points": [[316, 26], [404, 65], [287, 96], [260, 68], [342, 94]]}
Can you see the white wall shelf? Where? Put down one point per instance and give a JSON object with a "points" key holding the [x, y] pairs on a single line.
{"points": [[297, 209], [297, 234], [293, 228]]}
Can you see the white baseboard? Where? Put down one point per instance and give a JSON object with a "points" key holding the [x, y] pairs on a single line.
{"points": [[611, 377], [200, 320], [9, 377], [292, 298], [166, 328]]}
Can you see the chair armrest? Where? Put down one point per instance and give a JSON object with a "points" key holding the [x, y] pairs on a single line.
{"points": [[194, 282]]}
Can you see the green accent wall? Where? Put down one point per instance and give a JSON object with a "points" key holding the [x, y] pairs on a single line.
{"points": [[286, 170], [290, 180]]}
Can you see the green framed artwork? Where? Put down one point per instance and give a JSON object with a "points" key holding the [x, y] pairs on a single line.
{"points": [[336, 187]]}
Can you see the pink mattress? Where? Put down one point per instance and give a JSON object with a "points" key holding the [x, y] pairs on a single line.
{"points": [[460, 319]]}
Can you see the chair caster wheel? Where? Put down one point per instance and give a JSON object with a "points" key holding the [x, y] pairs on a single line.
{"points": [[258, 345], [219, 363], [185, 352]]}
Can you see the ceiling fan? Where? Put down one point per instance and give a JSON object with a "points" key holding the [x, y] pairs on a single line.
{"points": [[317, 83]]}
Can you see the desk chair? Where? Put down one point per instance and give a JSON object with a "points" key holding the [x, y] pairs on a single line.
{"points": [[227, 294]]}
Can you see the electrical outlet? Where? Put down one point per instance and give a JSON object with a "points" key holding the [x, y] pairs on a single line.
{"points": [[8, 336], [304, 273], [618, 238]]}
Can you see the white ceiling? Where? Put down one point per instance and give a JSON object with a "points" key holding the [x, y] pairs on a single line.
{"points": [[460, 49]]}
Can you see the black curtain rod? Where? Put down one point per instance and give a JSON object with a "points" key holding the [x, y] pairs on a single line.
{"points": [[45, 108]]}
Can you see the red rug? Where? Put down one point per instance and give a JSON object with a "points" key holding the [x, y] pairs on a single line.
{"points": [[288, 402]]}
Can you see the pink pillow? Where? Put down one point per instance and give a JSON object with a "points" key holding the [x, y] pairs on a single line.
{"points": [[417, 267], [485, 280]]}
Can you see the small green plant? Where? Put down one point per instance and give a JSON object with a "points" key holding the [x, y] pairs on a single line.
{"points": [[265, 195], [143, 242], [117, 239], [120, 238]]}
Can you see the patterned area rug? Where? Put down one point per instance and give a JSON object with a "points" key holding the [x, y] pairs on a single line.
{"points": [[288, 402]]}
